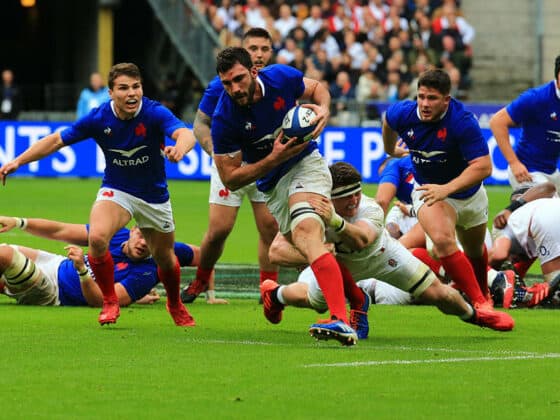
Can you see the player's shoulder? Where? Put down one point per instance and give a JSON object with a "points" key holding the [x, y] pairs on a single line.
{"points": [[401, 111], [279, 74], [369, 208]]}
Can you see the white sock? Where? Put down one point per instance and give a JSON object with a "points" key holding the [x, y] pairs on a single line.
{"points": [[280, 296], [491, 276], [468, 315]]}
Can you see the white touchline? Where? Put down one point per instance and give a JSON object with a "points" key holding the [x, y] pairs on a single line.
{"points": [[430, 361]]}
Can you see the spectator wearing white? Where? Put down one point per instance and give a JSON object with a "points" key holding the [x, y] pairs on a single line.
{"points": [[314, 22], [286, 21], [355, 49], [288, 53], [378, 9], [254, 14], [451, 20], [329, 44]]}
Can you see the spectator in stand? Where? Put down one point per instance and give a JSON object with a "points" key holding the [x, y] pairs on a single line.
{"points": [[368, 87], [329, 44], [451, 23], [10, 97], [300, 37], [299, 61], [314, 22], [355, 49], [288, 53], [254, 13], [92, 96], [322, 64], [378, 9], [342, 91], [286, 21]]}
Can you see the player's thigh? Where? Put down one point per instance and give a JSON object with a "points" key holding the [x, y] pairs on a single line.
{"points": [[221, 219], [438, 222], [161, 245]]}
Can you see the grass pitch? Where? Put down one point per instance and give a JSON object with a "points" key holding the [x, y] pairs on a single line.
{"points": [[417, 363], [59, 363]]}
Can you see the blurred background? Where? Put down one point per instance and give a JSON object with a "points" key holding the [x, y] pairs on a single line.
{"points": [[369, 52]]}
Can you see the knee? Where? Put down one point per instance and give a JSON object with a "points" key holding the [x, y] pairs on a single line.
{"points": [[98, 243], [218, 232]]}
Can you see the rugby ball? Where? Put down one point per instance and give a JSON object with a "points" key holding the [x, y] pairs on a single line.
{"points": [[297, 123]]}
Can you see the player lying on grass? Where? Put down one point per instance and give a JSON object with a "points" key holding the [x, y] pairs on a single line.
{"points": [[363, 245], [37, 277], [526, 230]]}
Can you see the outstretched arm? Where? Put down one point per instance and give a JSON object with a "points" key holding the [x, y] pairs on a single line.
{"points": [[50, 229], [184, 142], [44, 147]]}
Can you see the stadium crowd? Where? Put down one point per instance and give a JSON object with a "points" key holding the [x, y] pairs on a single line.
{"points": [[362, 50]]}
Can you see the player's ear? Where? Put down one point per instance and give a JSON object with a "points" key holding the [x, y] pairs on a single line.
{"points": [[254, 71]]}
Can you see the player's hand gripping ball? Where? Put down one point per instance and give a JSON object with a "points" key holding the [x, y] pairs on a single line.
{"points": [[297, 123]]}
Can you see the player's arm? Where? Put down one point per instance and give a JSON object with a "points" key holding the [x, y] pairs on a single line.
{"points": [[499, 251], [201, 129], [283, 252], [500, 123], [50, 229], [90, 289], [544, 190], [234, 175], [320, 99], [44, 147], [390, 138], [355, 235], [385, 194], [184, 142], [478, 169]]}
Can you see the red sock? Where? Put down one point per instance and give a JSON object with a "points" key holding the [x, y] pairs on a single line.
{"points": [[480, 268], [171, 280], [460, 270], [328, 276], [104, 271], [202, 274], [268, 275], [521, 267], [423, 255], [351, 290]]}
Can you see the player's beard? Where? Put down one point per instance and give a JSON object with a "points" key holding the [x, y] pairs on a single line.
{"points": [[248, 97]]}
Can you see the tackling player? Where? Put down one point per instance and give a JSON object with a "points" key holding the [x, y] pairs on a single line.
{"points": [[367, 250]]}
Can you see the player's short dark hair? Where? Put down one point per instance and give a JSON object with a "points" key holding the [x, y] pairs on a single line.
{"points": [[229, 57], [127, 69], [556, 67], [437, 79], [257, 33], [343, 174]]}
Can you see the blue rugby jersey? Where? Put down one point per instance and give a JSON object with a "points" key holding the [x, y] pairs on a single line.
{"points": [[252, 129], [399, 172], [137, 277], [537, 110], [211, 95], [440, 150], [133, 148]]}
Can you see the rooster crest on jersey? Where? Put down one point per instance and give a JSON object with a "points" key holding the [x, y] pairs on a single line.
{"points": [[297, 123]]}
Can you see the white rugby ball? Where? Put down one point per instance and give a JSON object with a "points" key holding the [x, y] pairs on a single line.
{"points": [[297, 123]]}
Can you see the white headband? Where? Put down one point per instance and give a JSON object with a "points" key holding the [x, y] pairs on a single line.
{"points": [[346, 190]]}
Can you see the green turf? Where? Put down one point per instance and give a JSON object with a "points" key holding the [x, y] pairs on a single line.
{"points": [[71, 199], [58, 363]]}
